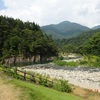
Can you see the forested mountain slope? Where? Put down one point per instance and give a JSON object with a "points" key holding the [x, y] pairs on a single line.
{"points": [[24, 39], [64, 29], [76, 44], [80, 39]]}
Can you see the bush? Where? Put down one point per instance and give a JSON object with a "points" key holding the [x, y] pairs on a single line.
{"points": [[43, 80], [83, 62], [60, 63], [1, 67], [90, 61], [62, 85], [61, 58], [65, 87], [12, 72]]}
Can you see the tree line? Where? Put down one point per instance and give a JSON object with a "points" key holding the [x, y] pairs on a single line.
{"points": [[85, 43], [24, 39]]}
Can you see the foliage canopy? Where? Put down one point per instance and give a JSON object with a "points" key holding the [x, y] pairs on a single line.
{"points": [[24, 39]]}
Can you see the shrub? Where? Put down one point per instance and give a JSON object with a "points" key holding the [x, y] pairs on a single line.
{"points": [[83, 62], [62, 85], [61, 58], [43, 80]]}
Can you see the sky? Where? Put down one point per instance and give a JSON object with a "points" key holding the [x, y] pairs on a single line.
{"points": [[45, 12]]}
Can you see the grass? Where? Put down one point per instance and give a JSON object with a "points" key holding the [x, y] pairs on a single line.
{"points": [[88, 61], [36, 92], [39, 79], [64, 63], [1, 68], [29, 91]]}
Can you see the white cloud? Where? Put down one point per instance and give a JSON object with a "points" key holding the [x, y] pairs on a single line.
{"points": [[86, 12]]}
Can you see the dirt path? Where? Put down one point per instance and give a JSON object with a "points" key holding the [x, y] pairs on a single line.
{"points": [[8, 91], [86, 94]]}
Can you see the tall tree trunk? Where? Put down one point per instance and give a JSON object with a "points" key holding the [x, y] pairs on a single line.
{"points": [[34, 60], [14, 62], [41, 56]]}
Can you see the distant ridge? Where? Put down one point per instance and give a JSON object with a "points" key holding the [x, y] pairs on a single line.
{"points": [[64, 29], [96, 27], [82, 38]]}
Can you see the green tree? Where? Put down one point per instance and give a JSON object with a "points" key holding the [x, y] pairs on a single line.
{"points": [[24, 39], [93, 46]]}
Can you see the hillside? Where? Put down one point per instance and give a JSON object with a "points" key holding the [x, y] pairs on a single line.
{"points": [[96, 27], [64, 29], [81, 38], [75, 44], [24, 39]]}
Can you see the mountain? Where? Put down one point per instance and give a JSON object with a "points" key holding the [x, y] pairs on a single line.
{"points": [[80, 39], [64, 29], [96, 27]]}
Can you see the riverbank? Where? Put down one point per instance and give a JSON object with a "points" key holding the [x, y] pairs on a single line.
{"points": [[88, 78]]}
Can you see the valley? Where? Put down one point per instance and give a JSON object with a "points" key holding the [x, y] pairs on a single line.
{"points": [[45, 51]]}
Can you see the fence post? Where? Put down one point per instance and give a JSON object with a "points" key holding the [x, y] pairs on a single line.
{"points": [[25, 75], [33, 78]]}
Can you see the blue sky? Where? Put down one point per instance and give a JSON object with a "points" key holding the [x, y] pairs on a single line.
{"points": [[44, 12], [2, 5]]}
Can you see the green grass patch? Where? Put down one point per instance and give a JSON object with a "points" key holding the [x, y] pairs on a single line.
{"points": [[36, 92], [64, 63], [88, 61], [1, 67]]}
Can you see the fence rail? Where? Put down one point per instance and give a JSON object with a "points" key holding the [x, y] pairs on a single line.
{"points": [[27, 76]]}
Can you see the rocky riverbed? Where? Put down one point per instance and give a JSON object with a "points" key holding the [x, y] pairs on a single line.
{"points": [[80, 76]]}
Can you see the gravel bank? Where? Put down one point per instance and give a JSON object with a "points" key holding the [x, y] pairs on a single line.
{"points": [[84, 77]]}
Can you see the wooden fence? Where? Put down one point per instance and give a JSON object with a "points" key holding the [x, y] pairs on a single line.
{"points": [[60, 85], [26, 76]]}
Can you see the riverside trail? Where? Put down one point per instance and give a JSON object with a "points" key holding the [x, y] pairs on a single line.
{"points": [[7, 91]]}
